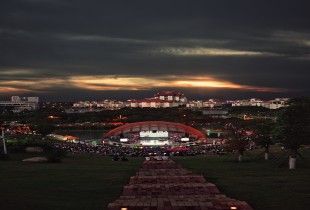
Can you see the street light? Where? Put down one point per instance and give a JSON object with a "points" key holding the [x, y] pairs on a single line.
{"points": [[4, 146]]}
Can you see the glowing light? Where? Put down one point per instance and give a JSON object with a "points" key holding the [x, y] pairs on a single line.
{"points": [[16, 72], [125, 82], [53, 117], [111, 82], [22, 86], [144, 83], [202, 51], [12, 89], [215, 84]]}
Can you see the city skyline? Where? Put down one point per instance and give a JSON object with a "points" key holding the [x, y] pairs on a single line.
{"points": [[93, 50]]}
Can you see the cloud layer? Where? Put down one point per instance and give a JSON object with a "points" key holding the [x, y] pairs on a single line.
{"points": [[61, 50]]}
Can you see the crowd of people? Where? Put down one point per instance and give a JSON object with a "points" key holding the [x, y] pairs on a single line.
{"points": [[110, 150]]}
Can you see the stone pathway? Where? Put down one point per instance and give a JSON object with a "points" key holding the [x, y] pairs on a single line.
{"points": [[165, 185]]}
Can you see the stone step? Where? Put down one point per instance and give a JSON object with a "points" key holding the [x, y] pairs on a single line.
{"points": [[196, 197], [167, 179], [163, 172], [170, 189], [203, 203], [165, 185]]}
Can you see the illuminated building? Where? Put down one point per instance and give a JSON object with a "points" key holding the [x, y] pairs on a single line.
{"points": [[270, 104], [157, 133], [171, 96], [167, 99], [163, 99], [19, 104]]}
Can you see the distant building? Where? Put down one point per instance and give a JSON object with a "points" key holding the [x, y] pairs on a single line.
{"points": [[19, 104], [171, 96], [194, 104], [211, 103], [152, 103], [276, 104], [163, 99], [166, 99], [270, 104], [215, 103], [241, 103]]}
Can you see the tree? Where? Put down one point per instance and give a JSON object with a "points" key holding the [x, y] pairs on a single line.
{"points": [[294, 127], [45, 129], [262, 136], [239, 142], [237, 145]]}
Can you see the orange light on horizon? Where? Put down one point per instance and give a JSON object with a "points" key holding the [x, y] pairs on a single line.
{"points": [[127, 82], [213, 84], [53, 117], [124, 82]]}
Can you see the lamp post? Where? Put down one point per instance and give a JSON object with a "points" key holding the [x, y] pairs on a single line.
{"points": [[4, 146]]}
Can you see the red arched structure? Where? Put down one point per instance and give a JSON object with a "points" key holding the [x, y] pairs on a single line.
{"points": [[154, 125]]}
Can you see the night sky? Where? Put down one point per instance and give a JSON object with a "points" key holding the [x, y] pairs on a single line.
{"points": [[62, 50]]}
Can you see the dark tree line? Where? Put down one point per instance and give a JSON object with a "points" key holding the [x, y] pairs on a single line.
{"points": [[293, 127]]}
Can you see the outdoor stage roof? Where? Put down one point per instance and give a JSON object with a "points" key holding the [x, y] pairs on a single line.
{"points": [[156, 126]]}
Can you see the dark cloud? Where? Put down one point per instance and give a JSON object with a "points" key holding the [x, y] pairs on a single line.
{"points": [[259, 44]]}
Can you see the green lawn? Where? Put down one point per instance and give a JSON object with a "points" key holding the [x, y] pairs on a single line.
{"points": [[79, 182], [264, 185], [91, 182]]}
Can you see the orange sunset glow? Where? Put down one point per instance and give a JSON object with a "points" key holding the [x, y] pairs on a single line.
{"points": [[125, 82]]}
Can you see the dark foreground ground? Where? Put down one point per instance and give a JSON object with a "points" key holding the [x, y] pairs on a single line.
{"points": [[91, 182]]}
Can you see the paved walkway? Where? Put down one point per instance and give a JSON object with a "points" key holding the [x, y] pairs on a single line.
{"points": [[165, 185]]}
